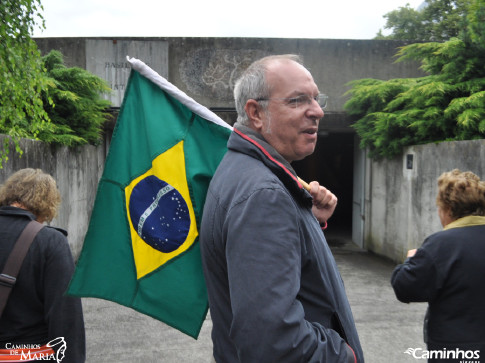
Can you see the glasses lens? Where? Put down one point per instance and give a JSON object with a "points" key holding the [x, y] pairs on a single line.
{"points": [[322, 100]]}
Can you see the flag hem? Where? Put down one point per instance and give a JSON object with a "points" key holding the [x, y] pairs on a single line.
{"points": [[194, 335]]}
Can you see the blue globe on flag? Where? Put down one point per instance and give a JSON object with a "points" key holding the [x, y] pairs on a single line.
{"points": [[159, 214]]}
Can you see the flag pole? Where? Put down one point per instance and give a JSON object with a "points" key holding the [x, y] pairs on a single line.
{"points": [[304, 183]]}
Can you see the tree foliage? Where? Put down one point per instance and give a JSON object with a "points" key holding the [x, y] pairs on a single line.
{"points": [[447, 104], [40, 98], [22, 77], [78, 111], [437, 20]]}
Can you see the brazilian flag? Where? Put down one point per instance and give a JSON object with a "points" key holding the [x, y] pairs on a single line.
{"points": [[141, 249]]}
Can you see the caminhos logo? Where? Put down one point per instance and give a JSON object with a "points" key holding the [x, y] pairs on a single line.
{"points": [[465, 356]]}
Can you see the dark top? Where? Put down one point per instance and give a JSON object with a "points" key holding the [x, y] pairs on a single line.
{"points": [[448, 272], [275, 292], [37, 310]]}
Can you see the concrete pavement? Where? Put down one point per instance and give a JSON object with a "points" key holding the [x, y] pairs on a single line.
{"points": [[386, 327]]}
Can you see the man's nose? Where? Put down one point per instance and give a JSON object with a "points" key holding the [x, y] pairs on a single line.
{"points": [[315, 111]]}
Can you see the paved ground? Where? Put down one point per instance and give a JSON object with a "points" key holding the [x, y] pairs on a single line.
{"points": [[386, 327]]}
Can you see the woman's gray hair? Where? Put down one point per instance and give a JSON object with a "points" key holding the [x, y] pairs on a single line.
{"points": [[252, 84]]}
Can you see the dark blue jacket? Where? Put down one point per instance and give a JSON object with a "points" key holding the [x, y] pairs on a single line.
{"points": [[275, 292], [448, 272]]}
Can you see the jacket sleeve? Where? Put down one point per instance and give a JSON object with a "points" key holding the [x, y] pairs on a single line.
{"points": [[63, 313], [416, 280], [263, 254]]}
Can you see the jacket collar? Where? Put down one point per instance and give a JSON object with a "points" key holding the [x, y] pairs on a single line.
{"points": [[246, 140], [19, 212], [467, 221], [14, 211]]}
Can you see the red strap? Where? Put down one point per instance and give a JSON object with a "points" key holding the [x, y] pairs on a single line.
{"points": [[268, 155]]}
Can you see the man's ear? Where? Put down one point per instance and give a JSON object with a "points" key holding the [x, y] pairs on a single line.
{"points": [[255, 114]]}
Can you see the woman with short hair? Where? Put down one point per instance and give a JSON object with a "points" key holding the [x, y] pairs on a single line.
{"points": [[37, 311], [448, 272]]}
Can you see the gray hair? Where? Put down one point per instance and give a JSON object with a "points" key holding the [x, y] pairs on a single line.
{"points": [[252, 84]]}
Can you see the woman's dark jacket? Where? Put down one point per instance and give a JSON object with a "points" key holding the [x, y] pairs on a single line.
{"points": [[448, 272], [37, 310]]}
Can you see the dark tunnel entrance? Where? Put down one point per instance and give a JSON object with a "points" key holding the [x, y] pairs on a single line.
{"points": [[332, 166]]}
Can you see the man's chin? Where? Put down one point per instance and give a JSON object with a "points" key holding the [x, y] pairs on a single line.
{"points": [[303, 155]]}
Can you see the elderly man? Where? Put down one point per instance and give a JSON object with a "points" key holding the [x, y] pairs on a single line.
{"points": [[275, 292]]}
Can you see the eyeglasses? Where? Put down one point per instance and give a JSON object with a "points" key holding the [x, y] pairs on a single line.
{"points": [[300, 100]]}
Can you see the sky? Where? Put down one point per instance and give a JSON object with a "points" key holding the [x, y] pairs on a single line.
{"points": [[315, 19]]}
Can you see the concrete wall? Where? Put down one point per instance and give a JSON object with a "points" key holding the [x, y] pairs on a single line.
{"points": [[400, 206], [401, 202], [397, 201], [76, 171], [207, 68]]}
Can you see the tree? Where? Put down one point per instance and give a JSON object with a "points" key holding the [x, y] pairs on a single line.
{"points": [[406, 24], [22, 77], [78, 111], [447, 104], [437, 20], [40, 98]]}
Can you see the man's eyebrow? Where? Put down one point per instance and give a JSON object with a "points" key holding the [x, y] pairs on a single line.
{"points": [[296, 94], [301, 93]]}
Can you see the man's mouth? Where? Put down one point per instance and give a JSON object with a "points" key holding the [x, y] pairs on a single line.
{"points": [[310, 131]]}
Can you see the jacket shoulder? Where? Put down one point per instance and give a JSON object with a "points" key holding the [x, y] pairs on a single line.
{"points": [[62, 231]]}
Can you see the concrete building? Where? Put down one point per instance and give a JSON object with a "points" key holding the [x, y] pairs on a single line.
{"points": [[207, 68]]}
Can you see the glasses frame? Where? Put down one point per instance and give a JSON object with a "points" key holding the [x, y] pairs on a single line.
{"points": [[321, 99]]}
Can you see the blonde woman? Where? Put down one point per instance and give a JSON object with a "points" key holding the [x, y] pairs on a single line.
{"points": [[448, 272], [37, 311]]}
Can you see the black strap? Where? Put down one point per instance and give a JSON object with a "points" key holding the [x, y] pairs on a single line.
{"points": [[8, 277]]}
